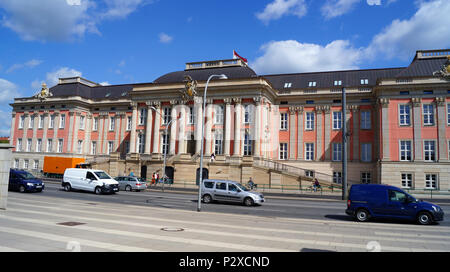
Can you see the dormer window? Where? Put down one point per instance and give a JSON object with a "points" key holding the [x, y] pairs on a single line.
{"points": [[364, 81], [337, 82], [312, 84], [288, 85]]}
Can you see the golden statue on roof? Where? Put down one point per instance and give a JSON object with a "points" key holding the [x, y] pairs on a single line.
{"points": [[445, 70], [44, 93]]}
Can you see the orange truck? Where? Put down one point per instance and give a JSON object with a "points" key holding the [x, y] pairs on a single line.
{"points": [[55, 166]]}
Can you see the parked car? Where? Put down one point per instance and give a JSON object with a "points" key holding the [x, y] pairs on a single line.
{"points": [[368, 201], [97, 181], [23, 181], [229, 191], [129, 183]]}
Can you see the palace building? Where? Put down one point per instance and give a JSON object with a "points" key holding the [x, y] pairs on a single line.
{"points": [[281, 129]]}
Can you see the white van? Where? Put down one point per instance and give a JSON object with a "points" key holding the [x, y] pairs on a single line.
{"points": [[92, 180]]}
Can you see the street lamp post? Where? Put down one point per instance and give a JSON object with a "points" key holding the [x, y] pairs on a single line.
{"points": [[344, 146], [222, 76]]}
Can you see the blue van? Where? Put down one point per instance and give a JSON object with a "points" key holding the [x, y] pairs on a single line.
{"points": [[366, 201], [23, 181]]}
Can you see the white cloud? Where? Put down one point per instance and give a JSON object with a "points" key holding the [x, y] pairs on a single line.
{"points": [[374, 2], [8, 91], [295, 57], [335, 8], [426, 29], [105, 83], [279, 8], [5, 122], [59, 20], [165, 38], [53, 77], [29, 64]]}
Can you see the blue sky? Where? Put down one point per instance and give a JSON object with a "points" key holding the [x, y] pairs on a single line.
{"points": [[128, 41]]}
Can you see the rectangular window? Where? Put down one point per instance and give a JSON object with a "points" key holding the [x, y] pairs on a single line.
{"points": [[337, 120], [167, 111], [21, 121], [218, 114], [41, 121], [112, 123], [428, 115], [29, 141], [288, 84], [337, 82], [95, 124], [110, 147], [309, 173], [247, 114], [337, 177], [448, 114], [283, 121], [19, 144], [405, 150], [309, 121], [404, 115], [93, 148], [312, 84], [31, 124], [129, 121], [26, 164], [36, 164], [431, 181], [364, 81], [141, 143], [165, 143], [142, 116], [80, 147], [283, 151], [191, 115], [60, 145], [366, 177], [16, 163], [49, 145], [218, 143], [366, 152], [248, 145], [366, 120], [39, 145], [337, 151], [407, 180], [309, 151], [62, 121], [429, 151], [82, 118], [52, 121]]}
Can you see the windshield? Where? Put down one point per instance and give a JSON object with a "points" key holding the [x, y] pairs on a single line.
{"points": [[141, 179], [102, 175], [241, 187], [26, 175]]}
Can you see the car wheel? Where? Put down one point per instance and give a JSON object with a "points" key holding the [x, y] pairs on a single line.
{"points": [[362, 215], [67, 187], [22, 189], [128, 188], [424, 218], [98, 190], [207, 199], [248, 201]]}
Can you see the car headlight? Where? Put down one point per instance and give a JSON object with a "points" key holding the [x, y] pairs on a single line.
{"points": [[30, 184], [436, 209]]}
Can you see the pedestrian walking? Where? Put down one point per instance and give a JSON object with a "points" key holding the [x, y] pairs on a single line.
{"points": [[316, 184]]}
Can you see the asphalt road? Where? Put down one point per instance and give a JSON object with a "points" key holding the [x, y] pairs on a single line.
{"points": [[275, 206]]}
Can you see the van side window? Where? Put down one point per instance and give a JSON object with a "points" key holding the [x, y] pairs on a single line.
{"points": [[396, 196], [209, 184], [90, 176], [221, 186], [232, 188]]}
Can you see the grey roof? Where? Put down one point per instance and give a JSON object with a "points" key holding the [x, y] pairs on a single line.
{"points": [[350, 78], [423, 67], [95, 93], [235, 72]]}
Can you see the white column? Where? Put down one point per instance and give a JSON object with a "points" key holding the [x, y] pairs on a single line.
{"points": [[292, 133], [35, 125], [87, 134], [257, 125], [44, 134], [75, 132], [182, 129], [227, 133], [133, 129], [13, 126], [237, 127], [198, 107], [441, 123], [55, 131], [173, 128], [156, 128], [148, 129], [300, 134], [384, 102], [208, 127]]}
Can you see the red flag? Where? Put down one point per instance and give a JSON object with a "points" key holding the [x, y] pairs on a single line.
{"points": [[237, 55]]}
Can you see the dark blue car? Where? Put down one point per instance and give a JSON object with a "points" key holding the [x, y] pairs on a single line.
{"points": [[23, 181], [368, 201]]}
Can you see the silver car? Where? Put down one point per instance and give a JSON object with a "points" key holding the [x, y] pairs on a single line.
{"points": [[131, 183], [229, 191]]}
